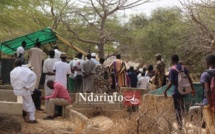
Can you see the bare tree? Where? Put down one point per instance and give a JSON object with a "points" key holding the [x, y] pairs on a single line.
{"points": [[103, 10], [201, 15]]}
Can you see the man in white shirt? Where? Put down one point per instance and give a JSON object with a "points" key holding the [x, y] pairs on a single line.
{"points": [[71, 77], [57, 53], [50, 74], [143, 82], [20, 51], [62, 70], [78, 74], [93, 58], [23, 81], [140, 73]]}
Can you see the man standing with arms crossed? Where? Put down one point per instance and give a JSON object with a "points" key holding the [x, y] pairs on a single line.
{"points": [[88, 69]]}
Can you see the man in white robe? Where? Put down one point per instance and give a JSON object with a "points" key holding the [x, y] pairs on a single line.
{"points": [[88, 69], [50, 74], [23, 81], [35, 60], [143, 82]]}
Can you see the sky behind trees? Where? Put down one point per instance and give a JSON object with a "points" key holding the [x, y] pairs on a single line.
{"points": [[149, 7]]}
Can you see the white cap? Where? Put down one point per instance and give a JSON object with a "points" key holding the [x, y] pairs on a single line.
{"points": [[141, 70], [93, 54]]}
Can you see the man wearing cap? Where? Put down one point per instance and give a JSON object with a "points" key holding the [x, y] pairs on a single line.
{"points": [[160, 72], [62, 70], [93, 58], [140, 73]]}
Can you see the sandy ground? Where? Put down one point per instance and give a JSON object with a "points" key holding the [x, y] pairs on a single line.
{"points": [[57, 126]]}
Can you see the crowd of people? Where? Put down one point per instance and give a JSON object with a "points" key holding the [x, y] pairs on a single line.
{"points": [[78, 75], [90, 75]]}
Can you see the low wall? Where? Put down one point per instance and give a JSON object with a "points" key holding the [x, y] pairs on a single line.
{"points": [[159, 107], [9, 103], [77, 117], [143, 91], [7, 95]]}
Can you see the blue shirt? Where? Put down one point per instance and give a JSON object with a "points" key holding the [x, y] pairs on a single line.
{"points": [[173, 77], [206, 78], [133, 79]]}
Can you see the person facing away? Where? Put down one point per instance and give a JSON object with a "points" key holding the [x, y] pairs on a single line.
{"points": [[140, 73], [35, 60], [71, 63], [62, 70], [119, 68], [88, 70], [178, 99], [71, 77], [23, 81], [21, 51], [160, 72], [143, 82], [150, 71], [100, 81], [93, 58], [57, 53], [60, 97], [133, 77], [48, 71], [208, 110], [78, 74]]}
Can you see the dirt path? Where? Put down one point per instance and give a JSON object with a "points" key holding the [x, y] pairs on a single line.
{"points": [[57, 126]]}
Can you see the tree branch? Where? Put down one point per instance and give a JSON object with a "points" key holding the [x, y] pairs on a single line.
{"points": [[96, 9], [79, 38]]}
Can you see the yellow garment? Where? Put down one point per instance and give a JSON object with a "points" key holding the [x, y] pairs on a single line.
{"points": [[209, 118]]}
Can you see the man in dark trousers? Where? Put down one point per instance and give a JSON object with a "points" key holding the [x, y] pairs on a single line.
{"points": [[133, 77], [178, 99]]}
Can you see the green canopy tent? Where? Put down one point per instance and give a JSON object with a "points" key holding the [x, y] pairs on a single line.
{"points": [[45, 36]]}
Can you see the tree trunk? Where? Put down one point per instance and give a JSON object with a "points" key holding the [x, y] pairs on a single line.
{"points": [[101, 51]]}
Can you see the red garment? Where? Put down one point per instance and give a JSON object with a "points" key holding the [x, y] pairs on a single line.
{"points": [[59, 92]]}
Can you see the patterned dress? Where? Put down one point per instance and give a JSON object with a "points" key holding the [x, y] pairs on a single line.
{"points": [[100, 81], [160, 74], [119, 68]]}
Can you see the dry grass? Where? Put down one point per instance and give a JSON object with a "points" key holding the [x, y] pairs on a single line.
{"points": [[155, 116], [10, 124]]}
